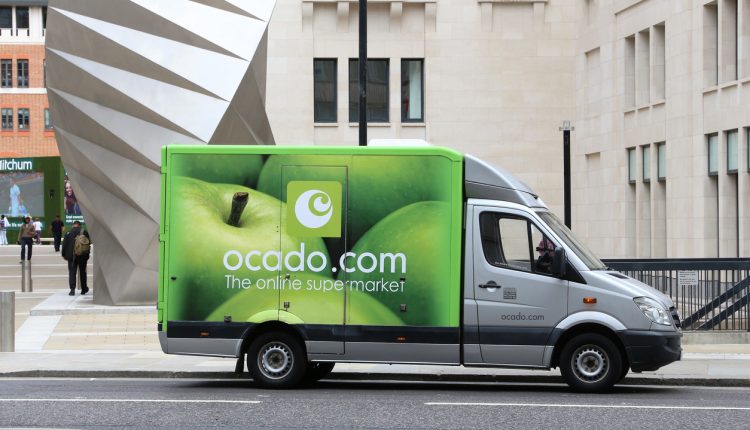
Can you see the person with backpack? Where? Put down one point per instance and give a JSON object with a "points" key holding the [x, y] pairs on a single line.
{"points": [[3, 232], [76, 249]]}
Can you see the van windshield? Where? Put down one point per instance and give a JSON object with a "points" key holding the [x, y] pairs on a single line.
{"points": [[586, 255]]}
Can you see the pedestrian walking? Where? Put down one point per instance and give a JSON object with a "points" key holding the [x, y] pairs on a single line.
{"points": [[3, 231], [37, 231], [76, 249], [26, 238], [57, 227]]}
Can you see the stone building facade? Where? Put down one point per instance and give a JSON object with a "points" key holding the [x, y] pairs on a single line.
{"points": [[663, 84], [658, 92]]}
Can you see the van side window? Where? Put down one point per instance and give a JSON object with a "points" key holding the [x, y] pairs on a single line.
{"points": [[515, 243]]}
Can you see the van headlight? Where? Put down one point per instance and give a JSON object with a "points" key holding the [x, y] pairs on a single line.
{"points": [[653, 310]]}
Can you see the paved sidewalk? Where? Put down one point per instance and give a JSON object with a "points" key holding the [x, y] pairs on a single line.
{"points": [[67, 336]]}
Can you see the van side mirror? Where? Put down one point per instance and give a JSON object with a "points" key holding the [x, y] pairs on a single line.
{"points": [[559, 262]]}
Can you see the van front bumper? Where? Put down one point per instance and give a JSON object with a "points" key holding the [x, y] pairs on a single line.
{"points": [[650, 350]]}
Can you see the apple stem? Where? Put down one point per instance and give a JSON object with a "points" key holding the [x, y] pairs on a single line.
{"points": [[239, 201]]}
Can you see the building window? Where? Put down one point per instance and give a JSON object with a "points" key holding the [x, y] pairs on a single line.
{"points": [[324, 72], [661, 161], [6, 17], [713, 154], [733, 151], [646, 153], [22, 17], [47, 120], [7, 115], [23, 73], [44, 17], [23, 119], [631, 165], [412, 91], [6, 73], [377, 90]]}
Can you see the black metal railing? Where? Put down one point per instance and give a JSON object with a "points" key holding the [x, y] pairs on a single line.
{"points": [[711, 294]]}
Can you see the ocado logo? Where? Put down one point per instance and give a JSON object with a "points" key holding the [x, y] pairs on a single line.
{"points": [[313, 209]]}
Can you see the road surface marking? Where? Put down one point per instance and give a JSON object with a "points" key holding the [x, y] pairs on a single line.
{"points": [[562, 405], [134, 401]]}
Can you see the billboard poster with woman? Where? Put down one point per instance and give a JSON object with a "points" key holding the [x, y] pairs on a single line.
{"points": [[72, 209]]}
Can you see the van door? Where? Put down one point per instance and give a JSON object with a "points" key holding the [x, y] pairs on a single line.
{"points": [[311, 293], [518, 301]]}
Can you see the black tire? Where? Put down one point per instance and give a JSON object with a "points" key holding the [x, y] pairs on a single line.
{"points": [[591, 363], [276, 360], [318, 370], [623, 373]]}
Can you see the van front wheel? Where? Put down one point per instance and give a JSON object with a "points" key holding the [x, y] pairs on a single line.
{"points": [[276, 360], [591, 363]]}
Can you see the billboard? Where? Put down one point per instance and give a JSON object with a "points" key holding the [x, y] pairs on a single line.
{"points": [[22, 194]]}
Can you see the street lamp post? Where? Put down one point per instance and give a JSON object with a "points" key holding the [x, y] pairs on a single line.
{"points": [[362, 72], [566, 129]]}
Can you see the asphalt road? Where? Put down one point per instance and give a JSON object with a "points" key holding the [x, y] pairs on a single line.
{"points": [[151, 403]]}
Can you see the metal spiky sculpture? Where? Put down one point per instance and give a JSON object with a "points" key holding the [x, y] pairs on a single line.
{"points": [[126, 77]]}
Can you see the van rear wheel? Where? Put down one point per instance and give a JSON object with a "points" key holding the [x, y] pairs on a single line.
{"points": [[591, 363], [276, 360]]}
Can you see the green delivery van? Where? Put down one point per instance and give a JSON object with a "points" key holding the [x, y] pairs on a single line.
{"points": [[301, 257]]}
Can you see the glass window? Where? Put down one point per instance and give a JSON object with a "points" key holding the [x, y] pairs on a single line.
{"points": [[574, 243], [412, 91], [7, 116], [23, 73], [44, 17], [631, 165], [6, 73], [646, 152], [22, 17], [377, 90], [713, 154], [733, 151], [23, 119], [515, 243], [6, 17], [47, 120], [661, 160], [324, 72]]}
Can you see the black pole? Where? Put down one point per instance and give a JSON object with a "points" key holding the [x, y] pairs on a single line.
{"points": [[566, 174], [362, 72]]}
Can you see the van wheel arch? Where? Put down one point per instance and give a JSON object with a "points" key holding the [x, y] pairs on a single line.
{"points": [[267, 327], [583, 329]]}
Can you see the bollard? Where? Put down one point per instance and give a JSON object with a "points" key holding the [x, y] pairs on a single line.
{"points": [[27, 285], [7, 321]]}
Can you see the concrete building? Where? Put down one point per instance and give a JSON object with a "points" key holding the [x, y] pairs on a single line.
{"points": [[663, 84], [655, 83]]}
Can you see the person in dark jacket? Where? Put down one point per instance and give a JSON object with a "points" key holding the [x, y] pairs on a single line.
{"points": [[76, 263]]}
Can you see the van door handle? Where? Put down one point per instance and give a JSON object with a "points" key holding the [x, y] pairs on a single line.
{"points": [[490, 284]]}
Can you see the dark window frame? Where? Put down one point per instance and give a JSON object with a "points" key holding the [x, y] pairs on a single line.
{"points": [[23, 125], [48, 126], [404, 118], [354, 104], [22, 74], [708, 155], [7, 113], [316, 114], [6, 73]]}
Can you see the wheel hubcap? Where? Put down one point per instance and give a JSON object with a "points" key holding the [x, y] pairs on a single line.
{"points": [[275, 360], [590, 363]]}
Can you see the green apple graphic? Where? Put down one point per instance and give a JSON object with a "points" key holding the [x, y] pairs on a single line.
{"points": [[310, 304], [377, 184], [203, 236], [242, 169], [420, 231]]}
